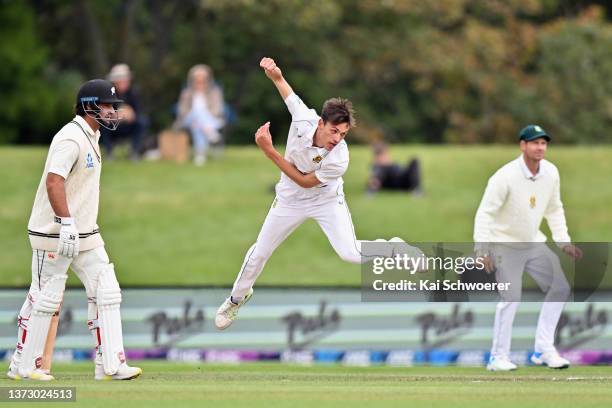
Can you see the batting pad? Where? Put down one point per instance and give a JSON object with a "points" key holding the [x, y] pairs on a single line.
{"points": [[44, 307], [109, 320]]}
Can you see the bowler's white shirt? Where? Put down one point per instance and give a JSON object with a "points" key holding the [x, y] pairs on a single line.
{"points": [[515, 201], [328, 166]]}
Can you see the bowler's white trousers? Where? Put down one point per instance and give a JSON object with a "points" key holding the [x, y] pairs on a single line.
{"points": [[333, 217], [544, 267]]}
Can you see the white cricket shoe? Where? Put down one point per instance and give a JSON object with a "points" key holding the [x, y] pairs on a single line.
{"points": [[501, 364], [551, 359], [125, 372], [35, 375], [227, 312], [13, 373], [400, 246]]}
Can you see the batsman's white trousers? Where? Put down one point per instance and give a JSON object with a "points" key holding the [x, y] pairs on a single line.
{"points": [[544, 267], [333, 217], [46, 264]]}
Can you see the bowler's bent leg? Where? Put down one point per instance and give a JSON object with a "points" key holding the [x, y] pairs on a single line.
{"points": [[335, 220], [279, 224]]}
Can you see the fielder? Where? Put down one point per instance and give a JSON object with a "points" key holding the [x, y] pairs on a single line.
{"points": [[310, 186], [516, 199], [64, 233]]}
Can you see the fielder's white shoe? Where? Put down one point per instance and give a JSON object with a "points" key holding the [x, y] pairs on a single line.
{"points": [[227, 312], [125, 372], [551, 359], [501, 364]]}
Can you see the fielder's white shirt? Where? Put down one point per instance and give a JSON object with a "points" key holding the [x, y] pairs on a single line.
{"points": [[328, 166], [74, 154], [515, 201]]}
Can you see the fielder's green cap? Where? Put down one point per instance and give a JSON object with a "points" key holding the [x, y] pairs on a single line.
{"points": [[533, 132]]}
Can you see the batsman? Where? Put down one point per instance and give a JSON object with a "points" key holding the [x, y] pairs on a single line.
{"points": [[64, 234]]}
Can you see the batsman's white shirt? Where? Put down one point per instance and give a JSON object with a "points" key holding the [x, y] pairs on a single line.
{"points": [[328, 166], [74, 154], [515, 201]]}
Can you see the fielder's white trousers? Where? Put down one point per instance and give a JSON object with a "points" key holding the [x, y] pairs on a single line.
{"points": [[333, 217], [45, 264], [544, 267]]}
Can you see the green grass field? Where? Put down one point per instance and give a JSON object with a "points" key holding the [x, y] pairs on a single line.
{"points": [[279, 385], [169, 224]]}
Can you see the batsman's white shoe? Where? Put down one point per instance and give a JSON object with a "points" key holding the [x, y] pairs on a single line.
{"points": [[125, 372], [501, 364], [36, 375], [227, 312], [13, 373], [551, 359]]}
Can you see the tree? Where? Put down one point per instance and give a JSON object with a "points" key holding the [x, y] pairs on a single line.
{"points": [[574, 87], [34, 94], [461, 71]]}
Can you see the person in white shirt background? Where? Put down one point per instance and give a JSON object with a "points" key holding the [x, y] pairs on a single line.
{"points": [[64, 234], [509, 241], [316, 158]]}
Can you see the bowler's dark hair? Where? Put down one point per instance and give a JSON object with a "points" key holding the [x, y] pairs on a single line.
{"points": [[337, 111]]}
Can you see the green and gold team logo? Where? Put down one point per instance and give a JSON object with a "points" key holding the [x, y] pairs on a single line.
{"points": [[317, 159], [532, 201]]}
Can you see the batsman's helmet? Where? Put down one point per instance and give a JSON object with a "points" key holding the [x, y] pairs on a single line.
{"points": [[95, 92]]}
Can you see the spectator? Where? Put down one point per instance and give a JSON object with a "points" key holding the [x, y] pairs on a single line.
{"points": [[200, 109], [133, 121], [388, 175]]}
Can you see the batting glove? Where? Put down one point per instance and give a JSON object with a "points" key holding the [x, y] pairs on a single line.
{"points": [[68, 245]]}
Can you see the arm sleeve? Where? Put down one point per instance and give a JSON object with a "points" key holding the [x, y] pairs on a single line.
{"points": [[493, 199], [555, 216], [63, 157], [297, 108], [331, 171]]}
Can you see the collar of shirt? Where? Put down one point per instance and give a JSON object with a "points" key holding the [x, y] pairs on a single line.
{"points": [[526, 172], [307, 142], [308, 138], [95, 135]]}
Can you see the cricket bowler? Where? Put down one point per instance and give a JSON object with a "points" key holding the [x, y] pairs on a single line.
{"points": [[64, 234], [509, 241], [310, 187]]}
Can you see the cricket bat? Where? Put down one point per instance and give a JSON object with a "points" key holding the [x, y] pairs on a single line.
{"points": [[50, 343]]}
